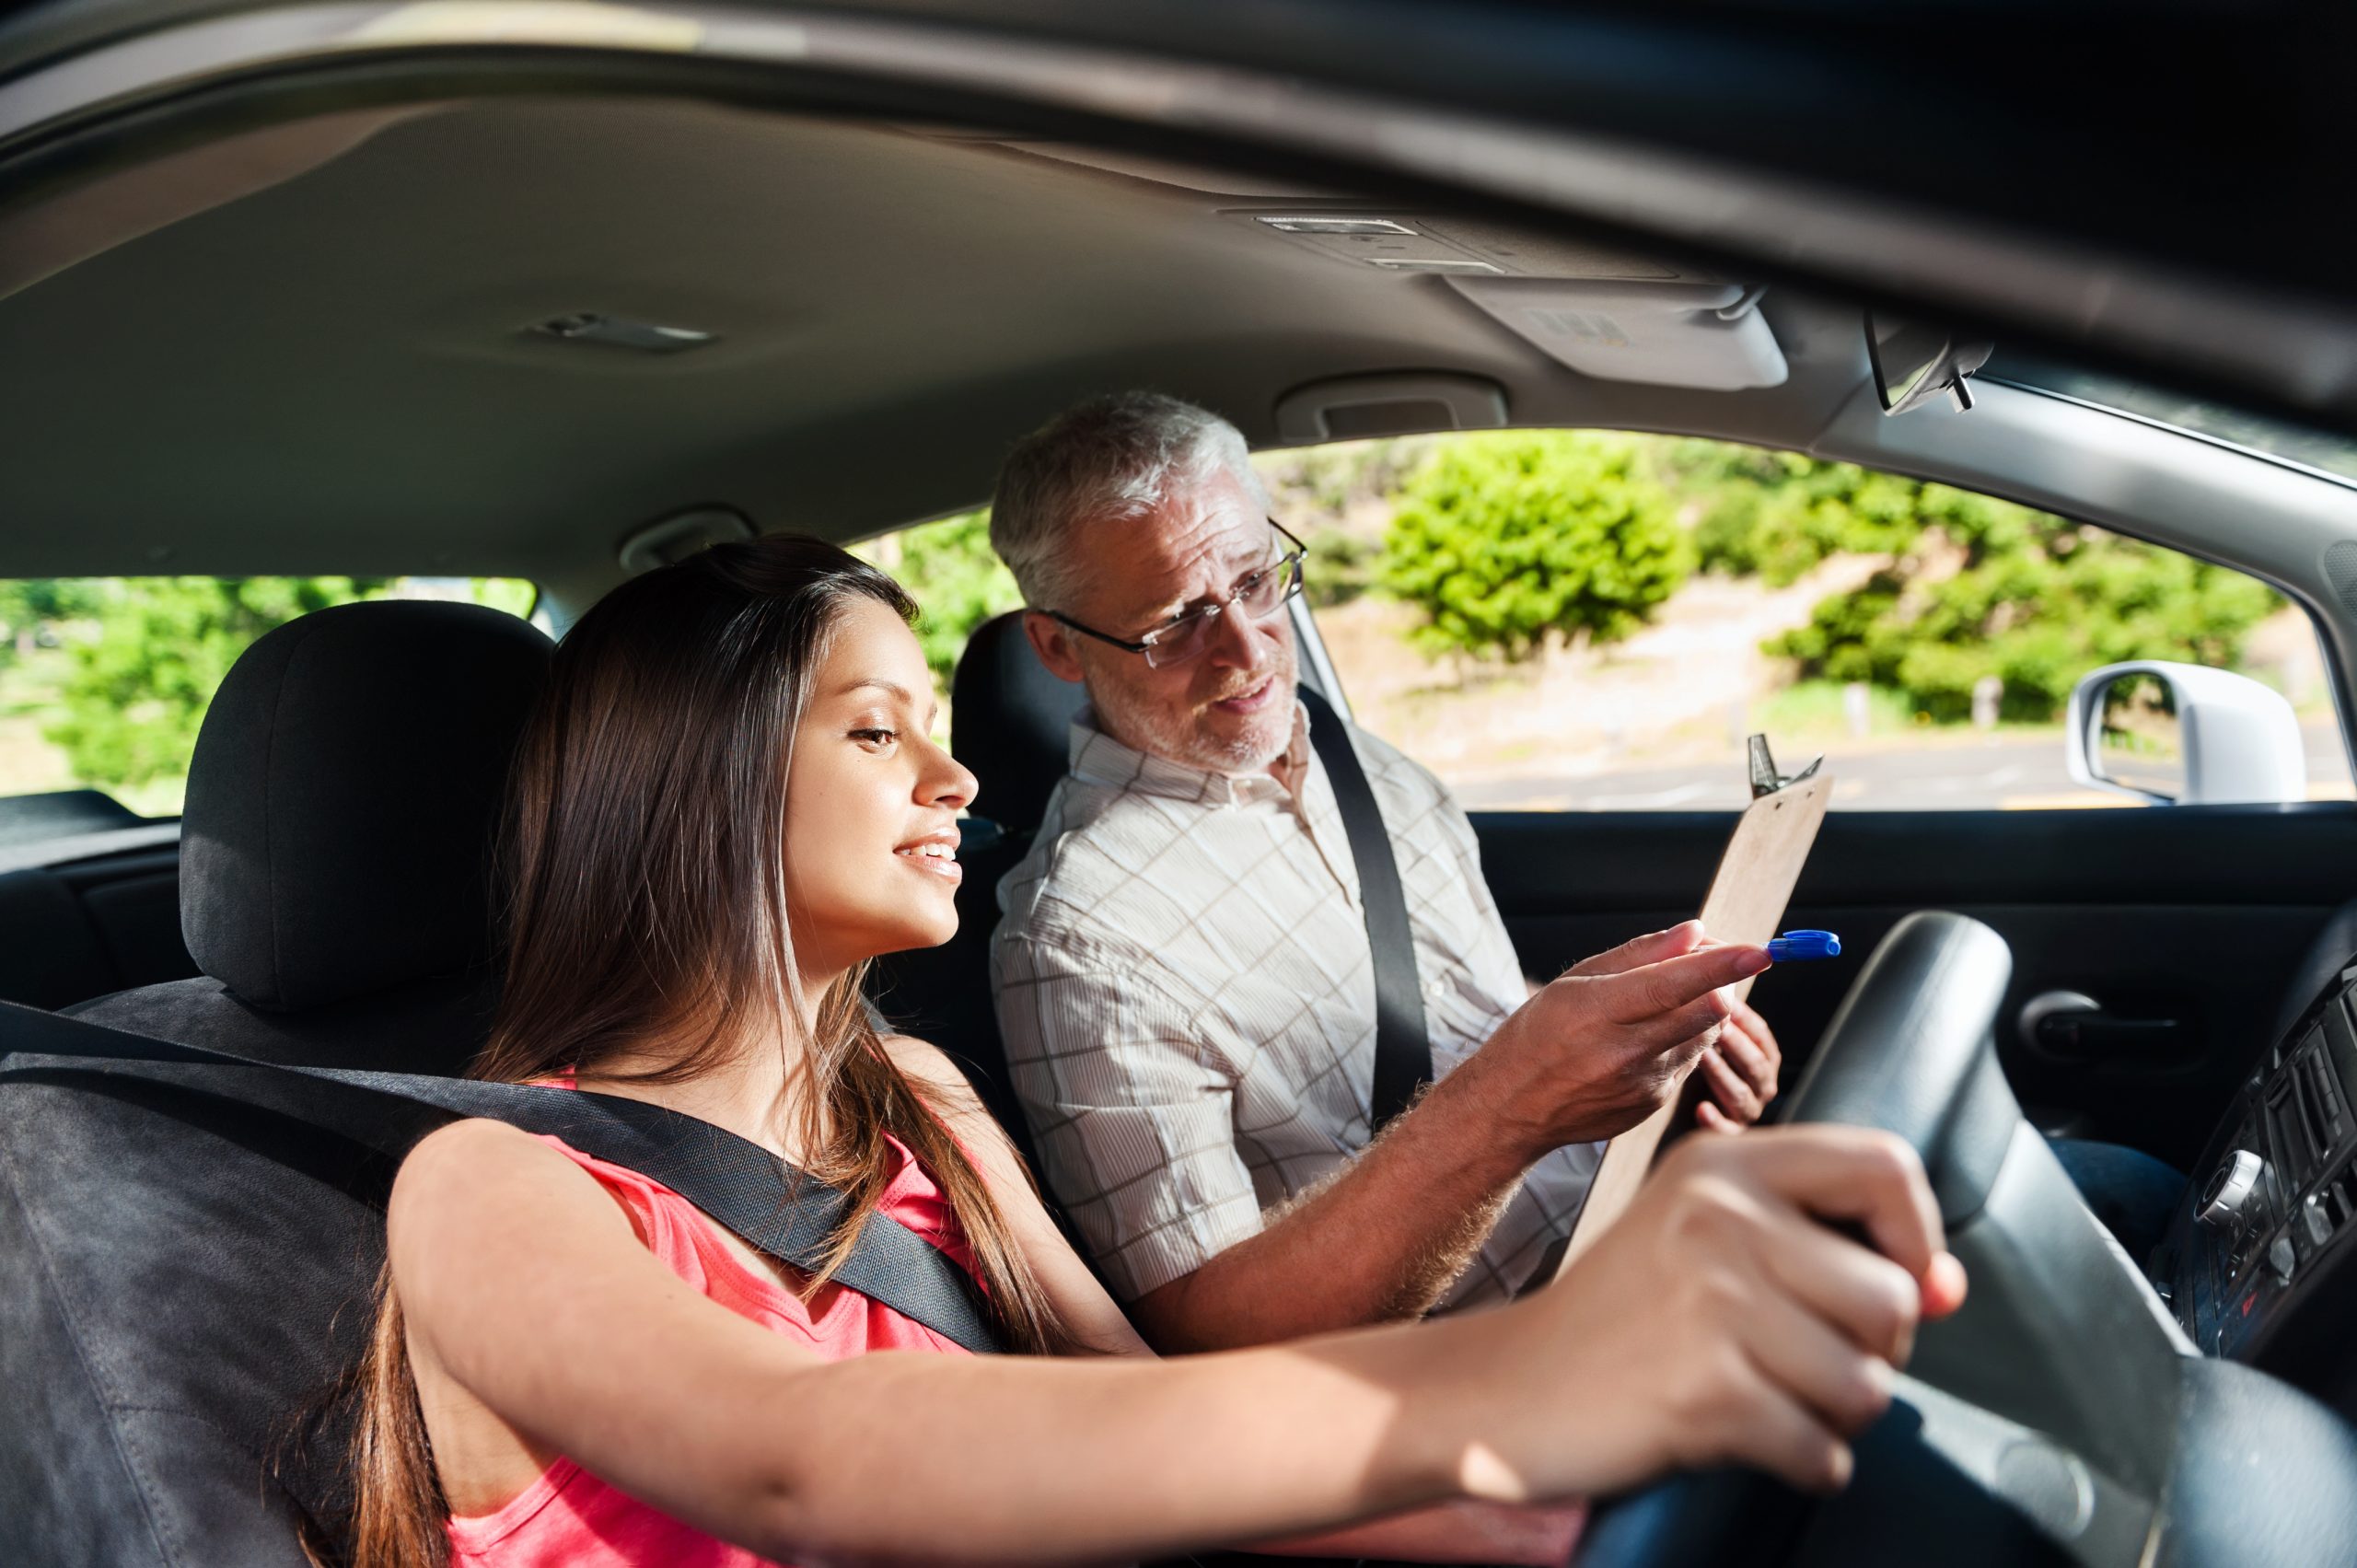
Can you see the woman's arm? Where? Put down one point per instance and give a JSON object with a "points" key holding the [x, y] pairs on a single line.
{"points": [[1716, 1322], [1446, 1532]]}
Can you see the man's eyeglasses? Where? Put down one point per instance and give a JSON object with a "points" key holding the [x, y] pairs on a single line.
{"points": [[1259, 595]]}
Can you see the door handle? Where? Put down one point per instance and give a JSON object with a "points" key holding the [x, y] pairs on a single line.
{"points": [[2072, 1026]]}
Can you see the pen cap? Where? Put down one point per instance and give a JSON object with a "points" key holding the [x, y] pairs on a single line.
{"points": [[1795, 945]]}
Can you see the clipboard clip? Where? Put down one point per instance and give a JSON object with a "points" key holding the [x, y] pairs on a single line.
{"points": [[1764, 779]]}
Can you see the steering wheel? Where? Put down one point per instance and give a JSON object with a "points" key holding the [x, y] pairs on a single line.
{"points": [[1909, 1052]]}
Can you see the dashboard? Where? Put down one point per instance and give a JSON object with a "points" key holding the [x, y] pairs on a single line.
{"points": [[2261, 1249]]}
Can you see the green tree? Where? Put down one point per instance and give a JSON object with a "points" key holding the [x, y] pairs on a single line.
{"points": [[29, 604], [1778, 513], [2038, 603], [1975, 587], [956, 579], [1503, 537], [146, 655]]}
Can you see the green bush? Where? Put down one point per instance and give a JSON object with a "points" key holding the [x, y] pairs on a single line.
{"points": [[1778, 515], [2033, 600], [2036, 607], [27, 604], [1501, 538], [1341, 566], [145, 654]]}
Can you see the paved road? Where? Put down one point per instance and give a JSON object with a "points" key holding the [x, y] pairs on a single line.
{"points": [[1999, 775]]}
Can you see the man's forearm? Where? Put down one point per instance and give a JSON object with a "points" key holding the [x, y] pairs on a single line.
{"points": [[1383, 1239]]}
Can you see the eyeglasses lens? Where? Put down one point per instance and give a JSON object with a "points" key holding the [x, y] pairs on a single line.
{"points": [[1272, 587], [1177, 644], [1184, 641]]}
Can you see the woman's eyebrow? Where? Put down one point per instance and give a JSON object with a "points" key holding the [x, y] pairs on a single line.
{"points": [[878, 684]]}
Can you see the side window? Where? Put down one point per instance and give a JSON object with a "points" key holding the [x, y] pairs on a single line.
{"points": [[958, 582], [104, 681], [1594, 620]]}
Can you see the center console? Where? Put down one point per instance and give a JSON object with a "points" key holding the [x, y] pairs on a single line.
{"points": [[2273, 1201]]}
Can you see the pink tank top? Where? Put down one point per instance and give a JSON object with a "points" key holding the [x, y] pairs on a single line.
{"points": [[569, 1518]]}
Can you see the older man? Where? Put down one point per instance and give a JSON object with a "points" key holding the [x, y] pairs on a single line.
{"points": [[1184, 977]]}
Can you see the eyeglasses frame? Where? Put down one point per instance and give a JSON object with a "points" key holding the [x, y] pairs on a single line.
{"points": [[1297, 557]]}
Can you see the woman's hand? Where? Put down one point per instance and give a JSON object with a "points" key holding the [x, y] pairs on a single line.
{"points": [[1721, 1320]]}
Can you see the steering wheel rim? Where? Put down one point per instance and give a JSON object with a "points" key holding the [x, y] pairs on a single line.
{"points": [[1910, 1051]]}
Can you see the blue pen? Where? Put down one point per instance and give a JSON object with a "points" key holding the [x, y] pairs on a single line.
{"points": [[1799, 945]]}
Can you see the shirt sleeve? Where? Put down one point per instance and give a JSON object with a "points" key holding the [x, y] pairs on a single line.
{"points": [[1132, 1118]]}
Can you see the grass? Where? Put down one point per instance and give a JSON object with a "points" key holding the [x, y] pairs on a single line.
{"points": [[1817, 713]]}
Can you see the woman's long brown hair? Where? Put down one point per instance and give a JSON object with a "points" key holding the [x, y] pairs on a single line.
{"points": [[645, 855]]}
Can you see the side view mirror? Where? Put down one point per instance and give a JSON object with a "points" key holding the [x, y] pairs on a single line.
{"points": [[2185, 735]]}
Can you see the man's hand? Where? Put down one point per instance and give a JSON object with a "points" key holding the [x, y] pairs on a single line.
{"points": [[1739, 1071], [1601, 1048]]}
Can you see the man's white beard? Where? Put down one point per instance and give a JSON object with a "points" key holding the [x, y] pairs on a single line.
{"points": [[1261, 743]]}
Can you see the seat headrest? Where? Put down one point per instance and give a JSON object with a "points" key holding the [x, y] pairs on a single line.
{"points": [[1010, 721], [344, 795]]}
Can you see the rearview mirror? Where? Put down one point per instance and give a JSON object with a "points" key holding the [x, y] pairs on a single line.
{"points": [[1913, 365], [2186, 735]]}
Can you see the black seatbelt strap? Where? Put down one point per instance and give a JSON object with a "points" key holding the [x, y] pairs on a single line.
{"points": [[776, 1209], [1403, 1052]]}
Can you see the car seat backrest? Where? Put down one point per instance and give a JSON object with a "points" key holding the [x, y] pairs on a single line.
{"points": [[71, 932], [345, 789], [182, 1277], [1010, 722], [89, 899]]}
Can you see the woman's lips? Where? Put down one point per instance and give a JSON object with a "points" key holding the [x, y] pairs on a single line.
{"points": [[1250, 702], [941, 860]]}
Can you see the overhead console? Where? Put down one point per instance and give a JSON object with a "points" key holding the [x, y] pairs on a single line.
{"points": [[2264, 1242]]}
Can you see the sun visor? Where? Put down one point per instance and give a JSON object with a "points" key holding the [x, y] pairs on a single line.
{"points": [[1706, 335]]}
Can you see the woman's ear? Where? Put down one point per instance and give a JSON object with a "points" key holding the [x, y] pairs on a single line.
{"points": [[1052, 641]]}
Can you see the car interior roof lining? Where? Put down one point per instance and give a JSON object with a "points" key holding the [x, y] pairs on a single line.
{"points": [[336, 371]]}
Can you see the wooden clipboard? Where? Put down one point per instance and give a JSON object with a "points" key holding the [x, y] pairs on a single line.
{"points": [[1747, 902]]}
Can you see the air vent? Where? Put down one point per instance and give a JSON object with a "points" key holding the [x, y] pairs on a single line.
{"points": [[2319, 1096], [617, 331], [2289, 1136]]}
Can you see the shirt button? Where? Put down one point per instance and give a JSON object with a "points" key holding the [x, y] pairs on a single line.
{"points": [[1435, 989]]}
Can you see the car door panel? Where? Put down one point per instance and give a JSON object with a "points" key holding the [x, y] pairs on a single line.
{"points": [[2197, 917]]}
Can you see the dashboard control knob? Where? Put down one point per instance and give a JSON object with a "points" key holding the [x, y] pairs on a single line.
{"points": [[2229, 1191], [2281, 1259]]}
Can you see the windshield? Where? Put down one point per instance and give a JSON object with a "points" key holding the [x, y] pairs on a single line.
{"points": [[2327, 453]]}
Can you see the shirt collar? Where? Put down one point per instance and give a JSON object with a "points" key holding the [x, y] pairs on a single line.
{"points": [[1098, 758]]}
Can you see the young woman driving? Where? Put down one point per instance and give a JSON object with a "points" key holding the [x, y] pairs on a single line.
{"points": [[726, 805]]}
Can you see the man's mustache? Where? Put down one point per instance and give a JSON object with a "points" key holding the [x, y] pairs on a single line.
{"points": [[1246, 684]]}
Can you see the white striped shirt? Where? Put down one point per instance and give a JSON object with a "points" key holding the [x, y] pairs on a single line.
{"points": [[1187, 994]]}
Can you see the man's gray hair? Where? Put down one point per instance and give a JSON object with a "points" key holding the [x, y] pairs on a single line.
{"points": [[1111, 460]]}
